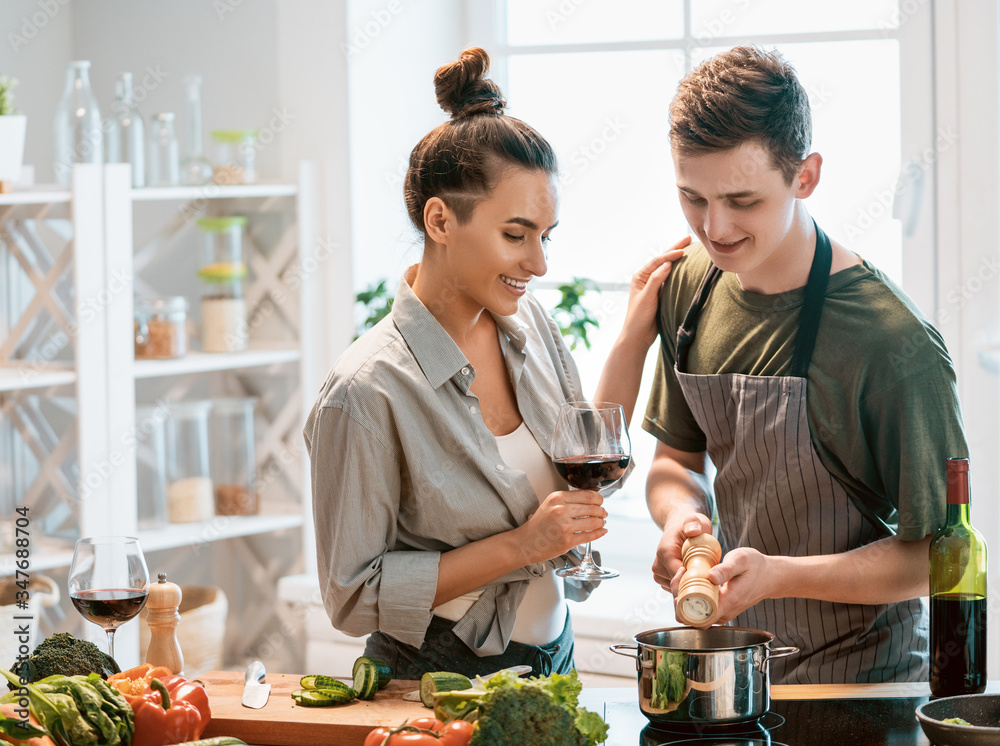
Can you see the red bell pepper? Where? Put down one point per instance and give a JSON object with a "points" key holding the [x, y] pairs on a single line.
{"points": [[188, 691], [160, 720]]}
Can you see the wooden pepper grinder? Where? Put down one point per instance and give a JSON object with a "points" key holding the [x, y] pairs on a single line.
{"points": [[698, 597], [163, 615]]}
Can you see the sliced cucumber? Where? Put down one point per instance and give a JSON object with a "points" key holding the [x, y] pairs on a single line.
{"points": [[384, 671], [323, 697], [365, 678], [440, 681], [317, 681]]}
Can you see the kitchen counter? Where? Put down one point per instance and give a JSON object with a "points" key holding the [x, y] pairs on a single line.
{"points": [[862, 714], [814, 715]]}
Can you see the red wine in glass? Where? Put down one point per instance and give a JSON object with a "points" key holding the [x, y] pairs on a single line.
{"points": [[591, 450], [592, 472], [111, 607], [108, 582]]}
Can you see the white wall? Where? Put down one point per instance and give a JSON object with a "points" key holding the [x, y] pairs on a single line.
{"points": [[35, 48], [395, 46], [232, 46]]}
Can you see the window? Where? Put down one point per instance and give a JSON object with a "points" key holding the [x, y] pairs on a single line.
{"points": [[597, 77]]}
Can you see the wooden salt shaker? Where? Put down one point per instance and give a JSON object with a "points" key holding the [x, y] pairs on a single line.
{"points": [[163, 615], [698, 597]]}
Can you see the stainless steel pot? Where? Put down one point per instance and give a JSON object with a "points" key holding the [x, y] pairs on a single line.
{"points": [[708, 676]]}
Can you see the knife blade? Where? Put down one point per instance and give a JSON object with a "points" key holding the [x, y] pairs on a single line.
{"points": [[255, 691], [414, 696]]}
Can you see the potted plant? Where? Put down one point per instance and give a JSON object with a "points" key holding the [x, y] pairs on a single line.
{"points": [[573, 318], [376, 302], [12, 129]]}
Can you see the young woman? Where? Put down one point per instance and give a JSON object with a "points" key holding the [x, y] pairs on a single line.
{"points": [[439, 516]]}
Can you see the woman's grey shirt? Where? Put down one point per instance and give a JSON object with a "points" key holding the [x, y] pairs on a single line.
{"points": [[404, 468]]}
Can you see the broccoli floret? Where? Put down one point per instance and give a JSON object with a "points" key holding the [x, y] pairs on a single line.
{"points": [[524, 716], [64, 654]]}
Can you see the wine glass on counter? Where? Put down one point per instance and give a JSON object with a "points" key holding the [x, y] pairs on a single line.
{"points": [[108, 582], [591, 450]]}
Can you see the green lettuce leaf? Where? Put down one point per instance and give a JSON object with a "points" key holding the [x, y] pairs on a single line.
{"points": [[19, 729], [591, 727]]}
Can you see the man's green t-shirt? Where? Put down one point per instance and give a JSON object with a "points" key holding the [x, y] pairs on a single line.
{"points": [[882, 403]]}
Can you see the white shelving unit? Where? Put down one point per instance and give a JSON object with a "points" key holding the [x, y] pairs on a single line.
{"points": [[51, 345], [72, 341]]}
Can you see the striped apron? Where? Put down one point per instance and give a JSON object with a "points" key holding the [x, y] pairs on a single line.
{"points": [[774, 494]]}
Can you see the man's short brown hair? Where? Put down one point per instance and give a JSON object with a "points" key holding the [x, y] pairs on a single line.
{"points": [[743, 95]]}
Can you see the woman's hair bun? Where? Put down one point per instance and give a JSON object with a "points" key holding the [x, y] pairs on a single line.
{"points": [[462, 88]]}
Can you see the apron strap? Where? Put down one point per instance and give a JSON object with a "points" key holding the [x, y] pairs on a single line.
{"points": [[812, 308], [812, 305], [685, 335]]}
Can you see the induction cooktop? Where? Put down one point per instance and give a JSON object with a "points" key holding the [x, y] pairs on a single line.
{"points": [[815, 722]]}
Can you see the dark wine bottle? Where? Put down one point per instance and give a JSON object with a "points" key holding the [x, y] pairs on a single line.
{"points": [[958, 595]]}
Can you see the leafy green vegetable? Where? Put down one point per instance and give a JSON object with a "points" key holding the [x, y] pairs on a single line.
{"points": [[538, 711], [669, 681], [77, 710], [20, 730], [956, 721], [524, 717], [591, 726], [64, 655]]}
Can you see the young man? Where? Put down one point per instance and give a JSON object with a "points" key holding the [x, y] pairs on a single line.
{"points": [[824, 399]]}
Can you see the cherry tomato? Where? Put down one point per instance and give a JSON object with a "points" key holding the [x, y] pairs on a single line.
{"points": [[427, 723], [376, 737], [408, 738], [456, 733]]}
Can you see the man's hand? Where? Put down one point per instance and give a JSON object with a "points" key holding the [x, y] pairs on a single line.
{"points": [[668, 552], [745, 577], [882, 572]]}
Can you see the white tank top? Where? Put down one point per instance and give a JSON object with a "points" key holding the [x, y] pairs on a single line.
{"points": [[542, 613]]}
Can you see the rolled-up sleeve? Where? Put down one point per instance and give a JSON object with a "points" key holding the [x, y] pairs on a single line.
{"points": [[356, 482]]}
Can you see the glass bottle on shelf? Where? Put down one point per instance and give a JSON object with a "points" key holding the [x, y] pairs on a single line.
{"points": [[126, 132], [151, 466], [958, 594], [233, 456], [190, 495], [163, 152], [77, 126], [223, 307], [195, 168]]}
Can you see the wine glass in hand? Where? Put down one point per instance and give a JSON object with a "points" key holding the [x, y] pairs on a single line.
{"points": [[591, 450], [108, 582]]}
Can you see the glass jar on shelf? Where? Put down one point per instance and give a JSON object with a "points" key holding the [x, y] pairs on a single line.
{"points": [[190, 495], [233, 456], [234, 156], [160, 328], [151, 466], [164, 159], [223, 307]]}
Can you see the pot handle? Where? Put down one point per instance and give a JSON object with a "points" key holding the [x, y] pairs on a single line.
{"points": [[780, 652], [635, 656], [615, 649]]}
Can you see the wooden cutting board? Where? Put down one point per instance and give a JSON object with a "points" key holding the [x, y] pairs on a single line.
{"points": [[281, 722]]}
